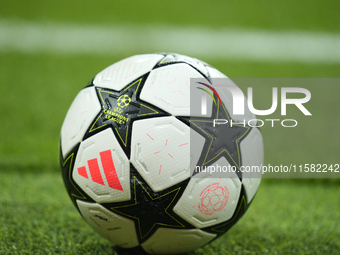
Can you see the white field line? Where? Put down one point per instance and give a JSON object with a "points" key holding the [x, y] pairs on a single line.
{"points": [[204, 43]]}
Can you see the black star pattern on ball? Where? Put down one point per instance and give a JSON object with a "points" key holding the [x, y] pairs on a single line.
{"points": [[150, 210], [120, 109], [221, 140], [67, 164]]}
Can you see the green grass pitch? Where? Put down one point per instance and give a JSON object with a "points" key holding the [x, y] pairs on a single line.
{"points": [[286, 217], [36, 215]]}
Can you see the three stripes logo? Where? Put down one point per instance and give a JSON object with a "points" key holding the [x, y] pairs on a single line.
{"points": [[108, 167]]}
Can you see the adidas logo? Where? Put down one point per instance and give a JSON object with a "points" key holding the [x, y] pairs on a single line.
{"points": [[108, 167]]}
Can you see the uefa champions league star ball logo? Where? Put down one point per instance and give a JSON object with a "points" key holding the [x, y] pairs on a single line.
{"points": [[123, 101]]}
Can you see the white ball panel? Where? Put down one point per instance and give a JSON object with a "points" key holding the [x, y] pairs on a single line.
{"points": [[94, 172], [208, 201], [115, 228], [176, 241], [252, 155], [196, 63], [125, 71], [81, 113], [160, 151], [168, 88]]}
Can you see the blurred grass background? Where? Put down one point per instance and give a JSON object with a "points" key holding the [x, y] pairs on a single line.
{"points": [[286, 217]]}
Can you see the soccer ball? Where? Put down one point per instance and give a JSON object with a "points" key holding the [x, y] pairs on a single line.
{"points": [[137, 149]]}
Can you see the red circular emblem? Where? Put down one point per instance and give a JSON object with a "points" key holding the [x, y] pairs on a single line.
{"points": [[213, 199]]}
